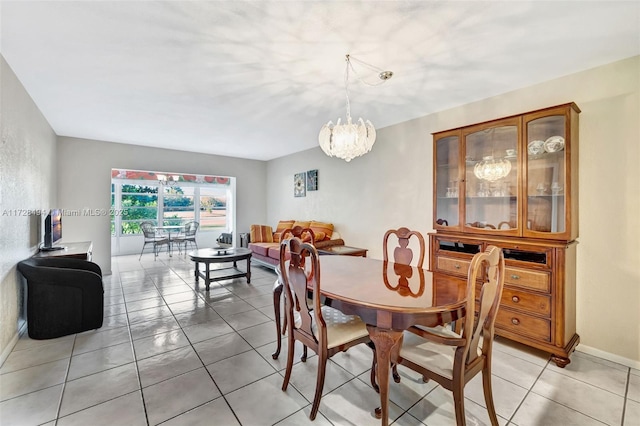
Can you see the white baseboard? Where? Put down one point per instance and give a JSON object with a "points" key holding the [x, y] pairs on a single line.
{"points": [[12, 343], [608, 356]]}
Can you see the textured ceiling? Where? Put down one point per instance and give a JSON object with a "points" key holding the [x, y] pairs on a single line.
{"points": [[258, 79]]}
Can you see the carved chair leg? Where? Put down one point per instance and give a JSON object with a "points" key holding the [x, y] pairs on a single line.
{"points": [[488, 394], [277, 293], [458, 401], [322, 366], [291, 342], [374, 365], [394, 372]]}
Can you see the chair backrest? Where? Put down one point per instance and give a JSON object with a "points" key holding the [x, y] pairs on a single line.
{"points": [[299, 275], [487, 266], [190, 228], [299, 232], [148, 230], [403, 254]]}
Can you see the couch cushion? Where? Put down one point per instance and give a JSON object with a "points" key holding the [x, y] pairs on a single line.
{"points": [[321, 228], [263, 248], [261, 234], [274, 253]]}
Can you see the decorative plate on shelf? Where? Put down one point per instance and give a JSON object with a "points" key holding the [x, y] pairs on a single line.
{"points": [[536, 147], [554, 144]]}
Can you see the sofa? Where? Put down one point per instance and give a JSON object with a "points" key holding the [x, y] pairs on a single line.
{"points": [[265, 242]]}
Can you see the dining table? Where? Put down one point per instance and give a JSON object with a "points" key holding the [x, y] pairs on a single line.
{"points": [[170, 229], [389, 298]]}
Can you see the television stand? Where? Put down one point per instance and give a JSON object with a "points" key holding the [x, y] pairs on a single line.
{"points": [[80, 250]]}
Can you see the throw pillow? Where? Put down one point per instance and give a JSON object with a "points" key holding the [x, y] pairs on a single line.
{"points": [[282, 225], [303, 224], [261, 234], [321, 228]]}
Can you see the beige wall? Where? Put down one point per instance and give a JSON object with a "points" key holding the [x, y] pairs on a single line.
{"points": [[84, 182], [27, 182], [392, 186]]}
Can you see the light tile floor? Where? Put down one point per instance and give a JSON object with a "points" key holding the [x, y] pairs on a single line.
{"points": [[170, 353]]}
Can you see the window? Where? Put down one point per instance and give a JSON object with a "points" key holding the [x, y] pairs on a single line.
{"points": [[139, 203], [137, 196], [213, 208], [178, 207]]}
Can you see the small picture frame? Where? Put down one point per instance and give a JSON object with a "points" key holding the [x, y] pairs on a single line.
{"points": [[312, 180], [299, 187]]}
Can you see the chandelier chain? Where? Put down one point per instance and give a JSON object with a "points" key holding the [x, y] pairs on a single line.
{"points": [[371, 67], [346, 88]]}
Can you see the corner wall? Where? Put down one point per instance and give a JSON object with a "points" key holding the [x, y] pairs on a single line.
{"points": [[27, 182], [84, 182], [392, 187]]}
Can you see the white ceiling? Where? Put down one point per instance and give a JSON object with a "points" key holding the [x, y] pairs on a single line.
{"points": [[258, 79]]}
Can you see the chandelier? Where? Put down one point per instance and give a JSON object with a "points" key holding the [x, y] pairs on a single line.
{"points": [[168, 180], [350, 140], [491, 169]]}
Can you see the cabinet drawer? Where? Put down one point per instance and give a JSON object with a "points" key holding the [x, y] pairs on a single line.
{"points": [[529, 303], [452, 265], [521, 300], [525, 325], [526, 278]]}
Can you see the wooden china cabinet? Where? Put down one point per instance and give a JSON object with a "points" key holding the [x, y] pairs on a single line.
{"points": [[513, 183]]}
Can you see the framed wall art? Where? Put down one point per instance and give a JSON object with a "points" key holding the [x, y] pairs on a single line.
{"points": [[312, 180], [299, 188]]}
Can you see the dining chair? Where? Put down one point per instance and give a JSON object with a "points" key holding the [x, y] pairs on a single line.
{"points": [[453, 359], [189, 236], [325, 330], [402, 256], [151, 237], [302, 234]]}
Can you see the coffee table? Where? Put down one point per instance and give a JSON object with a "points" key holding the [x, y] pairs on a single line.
{"points": [[221, 255]]}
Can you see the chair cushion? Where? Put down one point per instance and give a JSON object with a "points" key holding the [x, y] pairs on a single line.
{"points": [[321, 229], [261, 234], [429, 355], [341, 328]]}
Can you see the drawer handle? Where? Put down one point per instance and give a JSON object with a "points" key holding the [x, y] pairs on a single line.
{"points": [[515, 299], [515, 277], [457, 266], [515, 321]]}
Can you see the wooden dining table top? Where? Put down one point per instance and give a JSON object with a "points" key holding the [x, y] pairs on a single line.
{"points": [[369, 287]]}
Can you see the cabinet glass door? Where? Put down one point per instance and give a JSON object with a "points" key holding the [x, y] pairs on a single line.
{"points": [[491, 179], [546, 206], [447, 182]]}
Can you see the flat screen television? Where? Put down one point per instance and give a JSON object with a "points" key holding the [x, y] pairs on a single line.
{"points": [[52, 230]]}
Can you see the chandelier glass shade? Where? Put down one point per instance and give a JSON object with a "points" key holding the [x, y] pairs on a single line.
{"points": [[349, 140], [491, 170]]}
